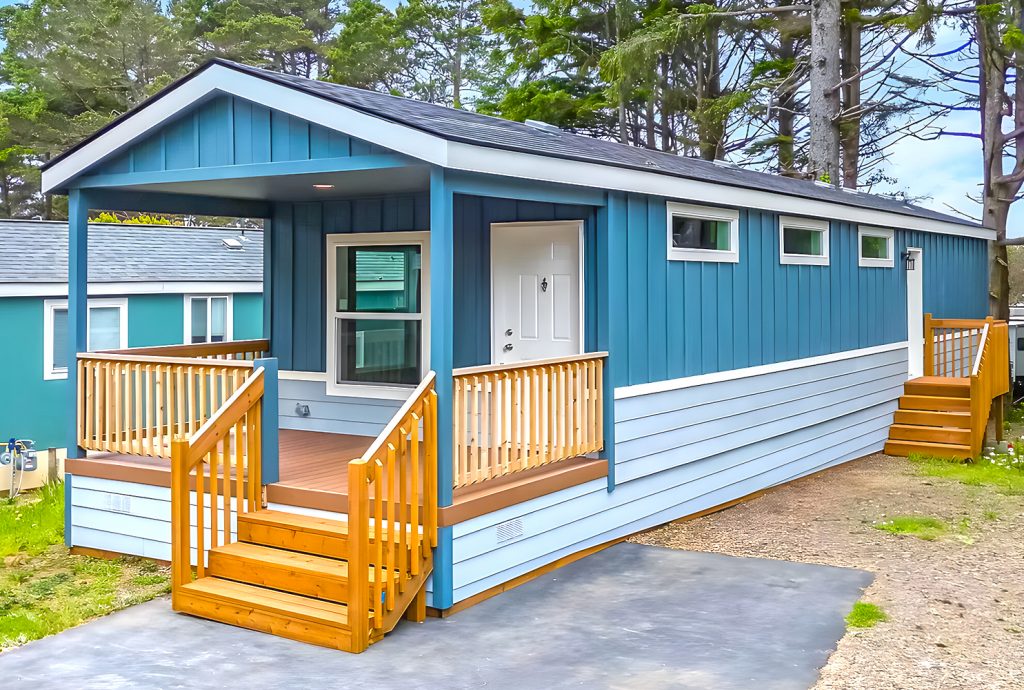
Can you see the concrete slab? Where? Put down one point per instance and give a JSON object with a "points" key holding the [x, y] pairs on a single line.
{"points": [[631, 616]]}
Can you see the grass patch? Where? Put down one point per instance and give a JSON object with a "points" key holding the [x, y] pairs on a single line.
{"points": [[44, 589], [32, 522], [865, 615], [922, 527], [982, 472]]}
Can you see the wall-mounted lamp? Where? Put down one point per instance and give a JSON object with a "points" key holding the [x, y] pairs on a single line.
{"points": [[908, 260]]}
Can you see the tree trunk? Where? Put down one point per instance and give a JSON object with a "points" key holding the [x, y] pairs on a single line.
{"points": [[823, 99], [849, 125]]}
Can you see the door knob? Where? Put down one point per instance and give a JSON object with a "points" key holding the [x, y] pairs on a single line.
{"points": [[508, 347]]}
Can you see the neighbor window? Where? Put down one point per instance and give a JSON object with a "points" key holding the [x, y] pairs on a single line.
{"points": [[702, 233], [107, 330], [875, 247], [376, 330], [207, 319], [803, 241]]}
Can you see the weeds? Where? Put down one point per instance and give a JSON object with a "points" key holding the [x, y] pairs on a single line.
{"points": [[865, 615]]}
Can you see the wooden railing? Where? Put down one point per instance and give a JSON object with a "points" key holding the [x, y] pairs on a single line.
{"points": [[392, 518], [951, 346], [990, 379], [220, 462], [134, 404], [514, 417], [231, 349]]}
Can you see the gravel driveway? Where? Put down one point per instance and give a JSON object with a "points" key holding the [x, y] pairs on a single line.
{"points": [[955, 605]]}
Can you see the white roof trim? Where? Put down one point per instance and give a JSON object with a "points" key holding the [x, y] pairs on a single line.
{"points": [[126, 288], [469, 157]]}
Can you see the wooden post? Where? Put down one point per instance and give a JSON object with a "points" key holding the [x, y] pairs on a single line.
{"points": [[358, 556], [929, 347], [52, 466], [180, 550], [999, 412]]}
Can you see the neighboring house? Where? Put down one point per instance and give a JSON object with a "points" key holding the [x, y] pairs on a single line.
{"points": [[148, 285], [535, 343]]}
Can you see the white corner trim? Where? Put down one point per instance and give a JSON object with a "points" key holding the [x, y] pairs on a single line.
{"points": [[815, 224], [760, 370], [125, 288], [728, 215], [870, 231]]}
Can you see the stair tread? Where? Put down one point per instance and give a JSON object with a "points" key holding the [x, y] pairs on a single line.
{"points": [[316, 610], [900, 425], [305, 523], [942, 380], [326, 567], [930, 444]]}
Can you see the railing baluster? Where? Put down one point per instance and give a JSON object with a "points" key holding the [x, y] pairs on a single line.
{"points": [[378, 536], [391, 487], [416, 493]]}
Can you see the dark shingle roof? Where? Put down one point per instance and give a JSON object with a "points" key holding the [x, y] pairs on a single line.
{"points": [[37, 252], [482, 130]]}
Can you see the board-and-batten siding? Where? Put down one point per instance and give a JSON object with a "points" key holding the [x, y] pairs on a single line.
{"points": [[332, 413], [232, 131], [684, 318], [682, 451]]}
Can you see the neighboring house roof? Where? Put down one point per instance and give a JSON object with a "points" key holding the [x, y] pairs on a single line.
{"points": [[36, 252], [495, 133]]}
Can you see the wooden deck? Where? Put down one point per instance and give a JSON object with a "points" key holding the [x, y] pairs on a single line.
{"points": [[314, 474]]}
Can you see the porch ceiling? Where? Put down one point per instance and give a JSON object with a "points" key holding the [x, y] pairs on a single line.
{"points": [[298, 187]]}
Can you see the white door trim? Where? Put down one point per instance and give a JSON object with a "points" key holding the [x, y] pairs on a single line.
{"points": [[915, 314], [579, 224]]}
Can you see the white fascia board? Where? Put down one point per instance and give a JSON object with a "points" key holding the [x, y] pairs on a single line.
{"points": [[544, 168], [144, 288], [221, 79]]}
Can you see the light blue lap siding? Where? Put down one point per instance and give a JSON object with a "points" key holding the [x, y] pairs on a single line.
{"points": [[233, 131], [331, 413], [685, 317], [803, 426]]}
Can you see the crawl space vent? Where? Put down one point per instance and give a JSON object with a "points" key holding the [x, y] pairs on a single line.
{"points": [[117, 503], [509, 530]]}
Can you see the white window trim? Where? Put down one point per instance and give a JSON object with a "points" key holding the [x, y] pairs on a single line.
{"points": [[817, 224], [371, 390], [870, 231], [51, 373], [730, 216], [229, 317]]}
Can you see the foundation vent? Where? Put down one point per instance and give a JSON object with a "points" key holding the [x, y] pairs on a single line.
{"points": [[118, 503], [509, 530]]}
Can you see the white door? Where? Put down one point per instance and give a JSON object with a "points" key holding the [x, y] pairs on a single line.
{"points": [[915, 314], [536, 283]]}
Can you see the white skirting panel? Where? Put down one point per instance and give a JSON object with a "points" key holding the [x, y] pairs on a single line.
{"points": [[688, 448]]}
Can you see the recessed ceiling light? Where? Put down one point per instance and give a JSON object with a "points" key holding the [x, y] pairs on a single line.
{"points": [[323, 186]]}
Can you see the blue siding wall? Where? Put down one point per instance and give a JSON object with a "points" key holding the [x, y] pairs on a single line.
{"points": [[472, 220], [233, 131], [684, 318], [298, 265]]}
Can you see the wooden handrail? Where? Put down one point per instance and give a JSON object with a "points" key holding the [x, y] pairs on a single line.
{"points": [[951, 346], [990, 379], [525, 415], [158, 359], [228, 349], [392, 518], [223, 461]]}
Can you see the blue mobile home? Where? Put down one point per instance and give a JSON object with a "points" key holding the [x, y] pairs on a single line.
{"points": [[148, 285], [498, 343]]}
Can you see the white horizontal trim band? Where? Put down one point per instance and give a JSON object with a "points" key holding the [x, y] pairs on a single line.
{"points": [[144, 288], [720, 376]]}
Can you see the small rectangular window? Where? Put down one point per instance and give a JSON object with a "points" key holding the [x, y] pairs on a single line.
{"points": [[803, 241], [875, 247], [207, 319], [106, 329], [702, 233]]}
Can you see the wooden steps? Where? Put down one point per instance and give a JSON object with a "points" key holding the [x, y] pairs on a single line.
{"points": [[933, 418], [287, 575]]}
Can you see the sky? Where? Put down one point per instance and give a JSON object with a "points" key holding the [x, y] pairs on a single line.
{"points": [[940, 173]]}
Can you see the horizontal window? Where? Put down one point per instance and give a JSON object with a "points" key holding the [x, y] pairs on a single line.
{"points": [[875, 247], [207, 319], [702, 233], [107, 329], [803, 241]]}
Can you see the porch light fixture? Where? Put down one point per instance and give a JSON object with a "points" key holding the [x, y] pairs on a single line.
{"points": [[323, 186], [908, 260]]}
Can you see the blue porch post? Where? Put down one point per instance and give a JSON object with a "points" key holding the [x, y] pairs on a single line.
{"points": [[611, 300], [78, 308], [269, 421], [442, 247]]}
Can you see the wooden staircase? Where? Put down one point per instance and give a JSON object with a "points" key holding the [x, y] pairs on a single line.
{"points": [[289, 575], [934, 418]]}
